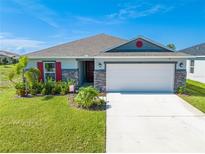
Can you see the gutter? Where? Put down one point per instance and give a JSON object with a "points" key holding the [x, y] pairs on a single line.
{"points": [[116, 57]]}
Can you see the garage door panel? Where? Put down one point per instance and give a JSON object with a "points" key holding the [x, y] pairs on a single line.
{"points": [[140, 77]]}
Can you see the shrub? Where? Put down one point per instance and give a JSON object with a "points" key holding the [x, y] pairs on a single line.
{"points": [[32, 75], [44, 92], [57, 88], [33, 91], [63, 91], [99, 102], [71, 82], [87, 97], [33, 86], [21, 89], [5, 61], [181, 90], [47, 87], [36, 88], [52, 88], [64, 88], [14, 61]]}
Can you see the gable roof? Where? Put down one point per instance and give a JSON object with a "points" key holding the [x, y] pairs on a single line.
{"points": [[197, 50], [8, 54], [99, 46], [140, 37], [89, 46]]}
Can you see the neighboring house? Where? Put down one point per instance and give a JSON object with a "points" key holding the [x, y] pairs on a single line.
{"points": [[113, 64], [8, 57], [196, 66]]}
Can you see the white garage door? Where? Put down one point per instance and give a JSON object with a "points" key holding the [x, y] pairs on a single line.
{"points": [[150, 77]]}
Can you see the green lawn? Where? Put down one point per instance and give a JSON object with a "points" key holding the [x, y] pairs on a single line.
{"points": [[4, 72], [195, 94], [47, 124]]}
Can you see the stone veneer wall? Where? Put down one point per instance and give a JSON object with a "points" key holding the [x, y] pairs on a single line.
{"points": [[100, 80], [70, 74], [180, 79]]}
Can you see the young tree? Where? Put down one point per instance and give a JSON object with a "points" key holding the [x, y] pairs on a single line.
{"points": [[171, 46], [19, 68], [32, 75]]}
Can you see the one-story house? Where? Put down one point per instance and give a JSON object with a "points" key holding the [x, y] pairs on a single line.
{"points": [[196, 66], [7, 57], [113, 64]]}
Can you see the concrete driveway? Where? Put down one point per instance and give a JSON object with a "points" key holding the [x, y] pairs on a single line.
{"points": [[153, 123]]}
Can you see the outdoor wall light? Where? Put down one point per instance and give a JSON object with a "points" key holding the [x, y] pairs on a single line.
{"points": [[181, 65], [100, 65]]}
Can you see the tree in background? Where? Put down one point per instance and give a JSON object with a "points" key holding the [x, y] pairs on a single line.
{"points": [[171, 46], [4, 61]]}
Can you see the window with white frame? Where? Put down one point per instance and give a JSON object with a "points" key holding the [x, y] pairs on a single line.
{"points": [[191, 66], [49, 70]]}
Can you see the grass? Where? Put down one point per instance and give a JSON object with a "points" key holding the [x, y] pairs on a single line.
{"points": [[4, 72], [195, 94], [47, 124]]}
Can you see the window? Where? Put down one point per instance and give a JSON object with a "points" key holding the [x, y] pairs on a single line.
{"points": [[50, 70], [191, 66]]}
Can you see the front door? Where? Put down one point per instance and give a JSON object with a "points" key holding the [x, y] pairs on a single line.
{"points": [[89, 70]]}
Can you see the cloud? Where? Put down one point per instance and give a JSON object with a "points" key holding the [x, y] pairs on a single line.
{"points": [[69, 34], [19, 45], [127, 11], [77, 31], [39, 11], [88, 20], [138, 11], [102, 20]]}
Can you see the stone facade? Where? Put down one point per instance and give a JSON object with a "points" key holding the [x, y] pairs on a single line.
{"points": [[70, 74], [100, 80], [180, 79]]}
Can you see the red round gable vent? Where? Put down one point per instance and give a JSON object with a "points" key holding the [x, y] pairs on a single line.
{"points": [[139, 44]]}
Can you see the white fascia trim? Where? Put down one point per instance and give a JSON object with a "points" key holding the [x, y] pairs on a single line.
{"points": [[93, 57], [148, 57], [200, 56], [156, 43]]}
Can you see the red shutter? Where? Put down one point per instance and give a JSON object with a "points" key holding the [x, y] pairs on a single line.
{"points": [[58, 71], [40, 67]]}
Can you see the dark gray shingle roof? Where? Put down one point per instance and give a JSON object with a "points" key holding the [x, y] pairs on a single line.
{"points": [[197, 50], [90, 46], [94, 46]]}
